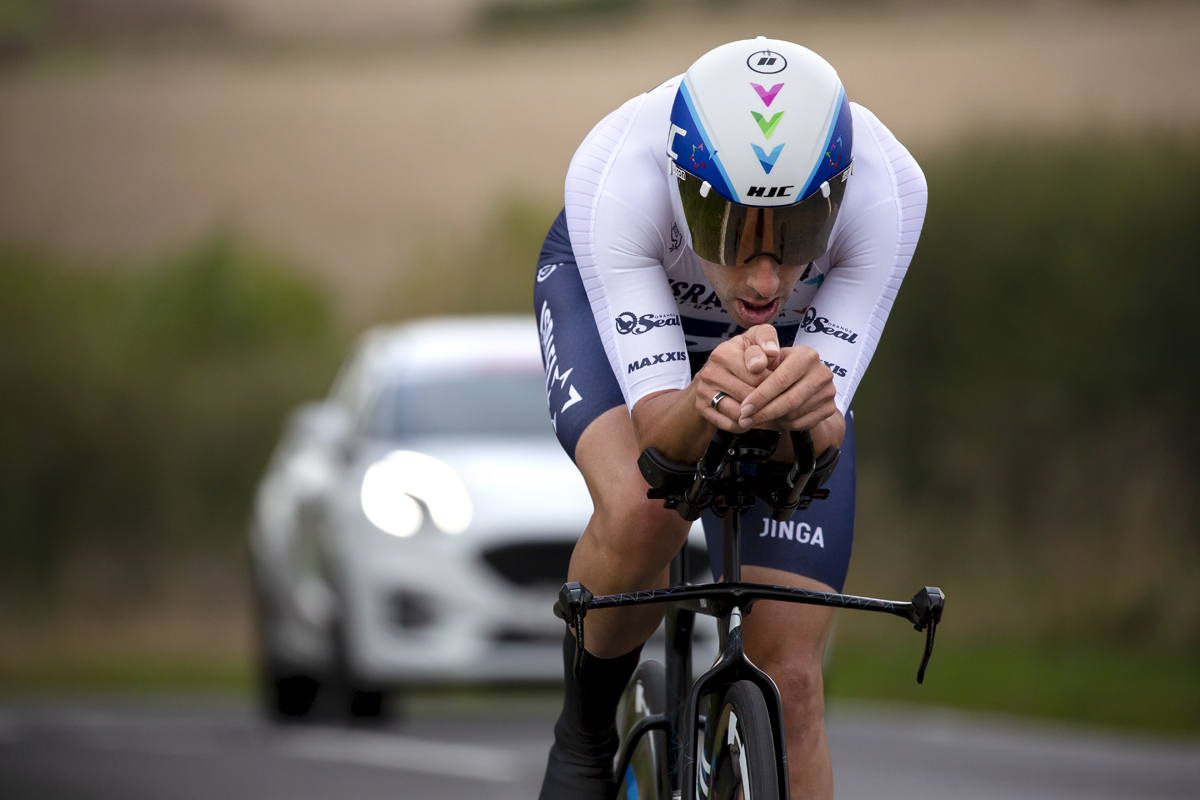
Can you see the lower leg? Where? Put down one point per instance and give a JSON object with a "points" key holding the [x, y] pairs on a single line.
{"points": [[585, 735], [626, 547], [629, 541], [787, 641]]}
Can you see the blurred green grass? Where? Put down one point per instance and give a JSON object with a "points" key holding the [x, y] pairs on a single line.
{"points": [[1146, 689], [117, 673], [1149, 690]]}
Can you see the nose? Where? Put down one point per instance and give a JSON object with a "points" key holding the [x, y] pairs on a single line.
{"points": [[763, 276]]}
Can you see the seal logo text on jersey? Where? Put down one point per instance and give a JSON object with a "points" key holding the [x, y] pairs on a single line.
{"points": [[627, 322]]}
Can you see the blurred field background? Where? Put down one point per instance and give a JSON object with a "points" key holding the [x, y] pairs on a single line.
{"points": [[203, 202]]}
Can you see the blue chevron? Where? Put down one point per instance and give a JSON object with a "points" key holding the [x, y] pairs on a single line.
{"points": [[767, 161]]}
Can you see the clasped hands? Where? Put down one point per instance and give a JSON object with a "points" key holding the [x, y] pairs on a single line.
{"points": [[765, 385]]}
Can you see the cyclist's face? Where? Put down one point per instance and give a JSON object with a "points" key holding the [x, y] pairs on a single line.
{"points": [[752, 293]]}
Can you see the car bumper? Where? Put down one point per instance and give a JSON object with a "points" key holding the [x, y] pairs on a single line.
{"points": [[433, 611]]}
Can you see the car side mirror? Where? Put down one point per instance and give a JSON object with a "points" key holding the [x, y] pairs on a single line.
{"points": [[326, 424]]}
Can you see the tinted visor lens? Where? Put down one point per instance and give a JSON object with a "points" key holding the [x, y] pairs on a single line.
{"points": [[727, 233]]}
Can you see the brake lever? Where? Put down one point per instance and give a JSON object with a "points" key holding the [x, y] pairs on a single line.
{"points": [[571, 607], [927, 607]]}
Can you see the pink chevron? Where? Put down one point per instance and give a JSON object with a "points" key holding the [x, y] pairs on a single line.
{"points": [[766, 96]]}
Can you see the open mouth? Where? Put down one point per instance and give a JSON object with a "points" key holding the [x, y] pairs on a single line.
{"points": [[757, 314]]}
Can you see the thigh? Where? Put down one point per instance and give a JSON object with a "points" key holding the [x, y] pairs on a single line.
{"points": [[580, 385], [634, 535], [629, 536], [815, 543]]}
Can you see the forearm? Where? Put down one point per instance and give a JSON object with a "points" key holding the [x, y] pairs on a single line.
{"points": [[829, 432], [669, 422]]}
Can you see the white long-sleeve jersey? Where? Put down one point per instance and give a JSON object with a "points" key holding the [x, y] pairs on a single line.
{"points": [[651, 300]]}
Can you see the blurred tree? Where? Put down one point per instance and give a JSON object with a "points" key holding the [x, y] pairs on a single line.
{"points": [[139, 407]]}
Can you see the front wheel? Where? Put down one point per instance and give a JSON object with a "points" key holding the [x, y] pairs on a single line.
{"points": [[744, 745]]}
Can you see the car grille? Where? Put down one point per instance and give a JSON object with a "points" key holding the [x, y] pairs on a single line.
{"points": [[544, 564], [531, 563]]}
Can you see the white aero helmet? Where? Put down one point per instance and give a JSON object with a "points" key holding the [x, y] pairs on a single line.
{"points": [[760, 150]]}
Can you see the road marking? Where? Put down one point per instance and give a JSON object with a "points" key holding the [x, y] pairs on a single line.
{"points": [[408, 754]]}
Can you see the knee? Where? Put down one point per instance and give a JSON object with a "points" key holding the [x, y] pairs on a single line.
{"points": [[635, 528], [802, 690]]}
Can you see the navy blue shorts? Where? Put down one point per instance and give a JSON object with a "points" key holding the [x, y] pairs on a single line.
{"points": [[580, 386]]}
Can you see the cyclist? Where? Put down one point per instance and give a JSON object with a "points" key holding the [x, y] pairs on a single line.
{"points": [[731, 244]]}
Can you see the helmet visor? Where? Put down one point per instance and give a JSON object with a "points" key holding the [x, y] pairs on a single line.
{"points": [[728, 233]]}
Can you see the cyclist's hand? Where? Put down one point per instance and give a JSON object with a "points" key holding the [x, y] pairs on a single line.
{"points": [[796, 393], [736, 367]]}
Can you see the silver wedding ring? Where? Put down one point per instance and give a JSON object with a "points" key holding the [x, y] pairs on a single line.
{"points": [[717, 398]]}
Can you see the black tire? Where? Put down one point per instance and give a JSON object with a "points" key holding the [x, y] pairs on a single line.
{"points": [[350, 697], [286, 693], [288, 696], [368, 704], [745, 767], [647, 777]]}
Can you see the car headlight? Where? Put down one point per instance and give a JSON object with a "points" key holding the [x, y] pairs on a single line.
{"points": [[392, 486]]}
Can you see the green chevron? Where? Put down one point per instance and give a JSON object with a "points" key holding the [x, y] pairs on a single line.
{"points": [[767, 127]]}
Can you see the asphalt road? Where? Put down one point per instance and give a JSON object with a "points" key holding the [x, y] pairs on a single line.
{"points": [[129, 750]]}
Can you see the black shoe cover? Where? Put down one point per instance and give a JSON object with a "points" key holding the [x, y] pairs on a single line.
{"points": [[585, 736]]}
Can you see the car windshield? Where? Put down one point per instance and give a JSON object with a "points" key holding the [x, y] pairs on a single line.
{"points": [[505, 404]]}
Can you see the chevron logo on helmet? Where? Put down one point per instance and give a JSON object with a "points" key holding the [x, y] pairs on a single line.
{"points": [[768, 127], [767, 96], [767, 161]]}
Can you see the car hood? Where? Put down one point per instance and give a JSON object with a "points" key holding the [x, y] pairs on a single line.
{"points": [[517, 485]]}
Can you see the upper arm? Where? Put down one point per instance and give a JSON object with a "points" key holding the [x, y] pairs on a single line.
{"points": [[869, 259], [613, 196]]}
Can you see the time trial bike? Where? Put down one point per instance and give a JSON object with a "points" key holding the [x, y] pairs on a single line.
{"points": [[736, 705]]}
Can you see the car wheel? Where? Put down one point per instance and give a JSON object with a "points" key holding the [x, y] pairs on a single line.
{"points": [[367, 703], [287, 695], [351, 696], [284, 691]]}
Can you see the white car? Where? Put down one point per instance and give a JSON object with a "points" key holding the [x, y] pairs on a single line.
{"points": [[415, 526]]}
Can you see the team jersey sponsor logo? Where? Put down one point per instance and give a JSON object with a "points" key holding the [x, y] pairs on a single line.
{"points": [[676, 238], [657, 358], [693, 292], [835, 369], [800, 532], [814, 324], [812, 280], [547, 271], [556, 381], [627, 322]]}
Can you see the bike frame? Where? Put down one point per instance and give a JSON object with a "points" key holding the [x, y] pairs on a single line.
{"points": [[729, 601]]}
